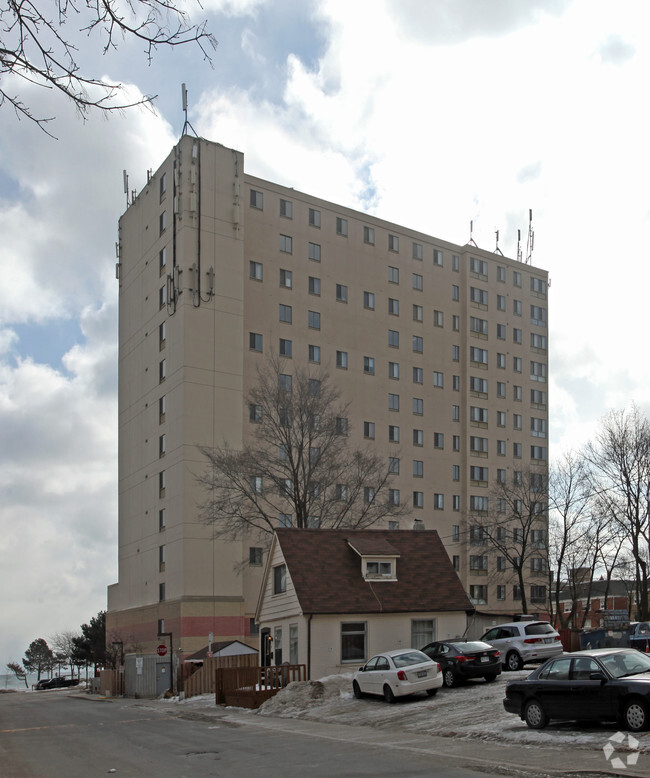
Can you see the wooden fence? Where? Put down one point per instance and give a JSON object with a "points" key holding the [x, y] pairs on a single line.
{"points": [[249, 687], [203, 680]]}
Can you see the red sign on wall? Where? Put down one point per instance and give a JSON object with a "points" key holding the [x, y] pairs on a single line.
{"points": [[162, 650]]}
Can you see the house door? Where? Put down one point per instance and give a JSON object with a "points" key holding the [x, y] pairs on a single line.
{"points": [[265, 648]]}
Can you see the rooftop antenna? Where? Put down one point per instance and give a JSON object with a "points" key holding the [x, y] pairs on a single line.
{"points": [[518, 245], [186, 123], [471, 241], [125, 176], [497, 250], [531, 239]]}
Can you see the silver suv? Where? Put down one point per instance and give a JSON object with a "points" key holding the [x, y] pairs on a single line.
{"points": [[524, 641]]}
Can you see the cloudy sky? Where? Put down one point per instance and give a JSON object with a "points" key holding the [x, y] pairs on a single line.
{"points": [[430, 113]]}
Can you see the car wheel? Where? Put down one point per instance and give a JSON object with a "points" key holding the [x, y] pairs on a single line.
{"points": [[635, 715], [490, 678], [432, 692], [388, 694], [357, 690], [534, 715], [449, 678], [513, 661]]}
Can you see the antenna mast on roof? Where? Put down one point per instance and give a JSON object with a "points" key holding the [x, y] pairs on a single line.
{"points": [[497, 250], [518, 245], [471, 241], [125, 176], [187, 123], [531, 239]]}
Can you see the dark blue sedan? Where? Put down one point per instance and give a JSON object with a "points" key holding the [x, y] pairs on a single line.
{"points": [[606, 684]]}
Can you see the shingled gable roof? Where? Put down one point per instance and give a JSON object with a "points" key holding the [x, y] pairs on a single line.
{"points": [[327, 578]]}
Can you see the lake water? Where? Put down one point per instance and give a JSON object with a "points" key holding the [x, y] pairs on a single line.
{"points": [[9, 681]]}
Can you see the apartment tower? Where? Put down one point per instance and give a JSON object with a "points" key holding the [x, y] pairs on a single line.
{"points": [[440, 349]]}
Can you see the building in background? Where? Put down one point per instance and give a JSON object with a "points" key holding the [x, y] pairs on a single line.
{"points": [[440, 349]]}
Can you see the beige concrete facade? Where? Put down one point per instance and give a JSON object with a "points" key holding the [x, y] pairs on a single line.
{"points": [[415, 331]]}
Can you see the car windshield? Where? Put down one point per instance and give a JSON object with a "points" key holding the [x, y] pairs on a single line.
{"points": [[626, 663], [410, 658], [476, 645], [539, 628]]}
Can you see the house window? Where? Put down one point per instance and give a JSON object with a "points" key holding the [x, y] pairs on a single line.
{"points": [[163, 222], [393, 338], [341, 226], [393, 275], [438, 502], [417, 251], [456, 562], [369, 235], [255, 556], [314, 320], [393, 243], [369, 365], [285, 518], [279, 579], [256, 199], [369, 300], [438, 440], [418, 468], [393, 465], [286, 209], [379, 569], [368, 494], [369, 430], [341, 293], [285, 313], [393, 433], [438, 379], [277, 646], [393, 499], [393, 306], [501, 302], [393, 402], [284, 382], [162, 259], [418, 406], [393, 370], [353, 641], [162, 445], [293, 644], [162, 519], [342, 359], [501, 592], [254, 341], [162, 335], [455, 533], [418, 283], [437, 257], [162, 483], [418, 313], [161, 559], [438, 319], [418, 437], [418, 499], [314, 354], [161, 592], [314, 218], [418, 375], [423, 632], [314, 285], [255, 413], [162, 370], [286, 278], [418, 344], [314, 252]]}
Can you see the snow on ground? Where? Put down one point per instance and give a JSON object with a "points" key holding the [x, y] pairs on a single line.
{"points": [[473, 711]]}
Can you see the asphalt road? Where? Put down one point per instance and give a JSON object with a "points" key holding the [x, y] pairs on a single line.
{"points": [[60, 734]]}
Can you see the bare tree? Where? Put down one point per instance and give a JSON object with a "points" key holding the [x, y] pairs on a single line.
{"points": [[37, 44], [620, 464], [300, 467], [64, 645], [516, 527]]}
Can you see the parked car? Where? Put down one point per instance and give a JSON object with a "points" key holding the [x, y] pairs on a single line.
{"points": [[604, 684], [57, 682], [397, 674], [463, 659], [521, 642]]}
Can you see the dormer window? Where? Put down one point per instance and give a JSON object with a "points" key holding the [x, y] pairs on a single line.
{"points": [[379, 569]]}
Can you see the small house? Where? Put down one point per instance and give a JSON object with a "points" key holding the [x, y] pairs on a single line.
{"points": [[331, 599]]}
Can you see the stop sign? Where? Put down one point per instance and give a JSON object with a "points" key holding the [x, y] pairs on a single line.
{"points": [[162, 650]]}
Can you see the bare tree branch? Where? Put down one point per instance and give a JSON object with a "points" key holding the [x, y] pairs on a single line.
{"points": [[300, 467], [34, 46]]}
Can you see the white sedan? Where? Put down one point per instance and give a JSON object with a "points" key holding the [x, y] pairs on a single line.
{"points": [[397, 674]]}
